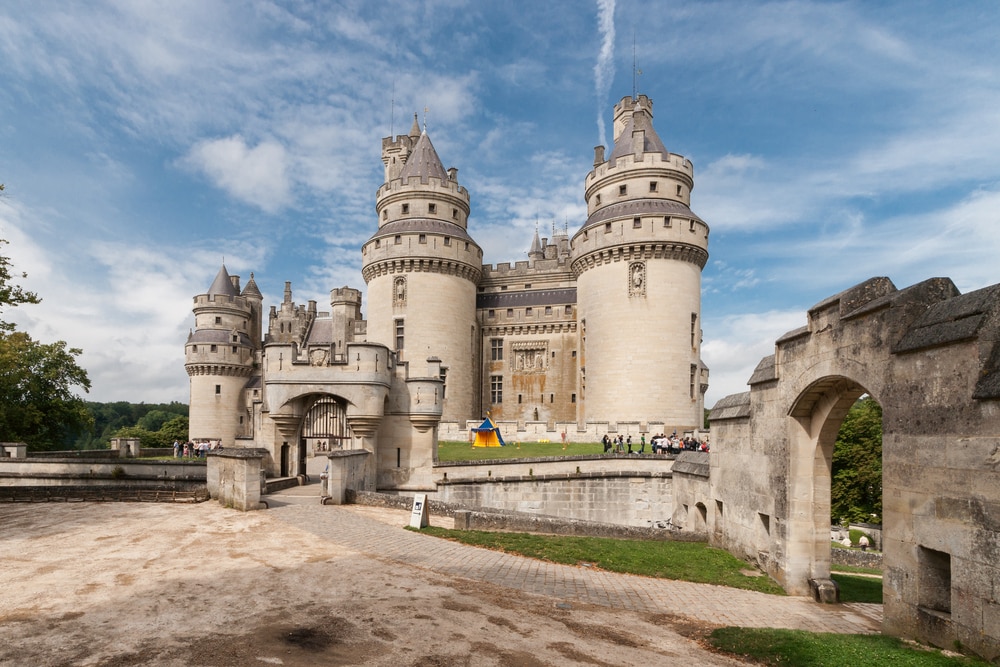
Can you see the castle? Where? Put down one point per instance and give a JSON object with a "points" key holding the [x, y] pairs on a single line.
{"points": [[601, 328]]}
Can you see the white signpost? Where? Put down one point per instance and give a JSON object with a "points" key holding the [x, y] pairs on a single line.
{"points": [[418, 517]]}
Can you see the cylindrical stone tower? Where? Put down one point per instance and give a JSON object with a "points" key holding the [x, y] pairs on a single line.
{"points": [[422, 268], [638, 262], [219, 356]]}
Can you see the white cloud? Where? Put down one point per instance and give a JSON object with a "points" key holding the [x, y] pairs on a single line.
{"points": [[735, 344], [254, 175]]}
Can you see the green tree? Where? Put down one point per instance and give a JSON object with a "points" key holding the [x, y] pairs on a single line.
{"points": [[155, 419], [176, 429], [147, 439], [37, 403], [856, 486]]}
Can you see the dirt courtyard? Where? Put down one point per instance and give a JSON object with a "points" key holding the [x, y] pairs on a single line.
{"points": [[199, 584]]}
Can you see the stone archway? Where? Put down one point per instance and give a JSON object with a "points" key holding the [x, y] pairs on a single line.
{"points": [[815, 420], [930, 356]]}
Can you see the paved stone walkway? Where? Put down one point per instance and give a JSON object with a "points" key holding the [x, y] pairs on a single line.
{"points": [[704, 602]]}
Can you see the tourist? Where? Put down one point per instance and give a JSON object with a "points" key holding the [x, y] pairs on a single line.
{"points": [[630, 443], [177, 449], [863, 542]]}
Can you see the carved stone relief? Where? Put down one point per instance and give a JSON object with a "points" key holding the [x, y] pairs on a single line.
{"points": [[637, 279], [399, 291], [529, 357]]}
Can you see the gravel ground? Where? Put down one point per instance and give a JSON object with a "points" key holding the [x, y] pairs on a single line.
{"points": [[164, 584]]}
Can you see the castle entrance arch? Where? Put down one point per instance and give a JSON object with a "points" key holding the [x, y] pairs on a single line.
{"points": [[324, 428], [815, 418]]}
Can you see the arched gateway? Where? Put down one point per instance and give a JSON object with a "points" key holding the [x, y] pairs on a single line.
{"points": [[931, 357]]}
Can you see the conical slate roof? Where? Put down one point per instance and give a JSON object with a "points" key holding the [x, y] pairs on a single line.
{"points": [[423, 162], [640, 120], [251, 288], [222, 284]]}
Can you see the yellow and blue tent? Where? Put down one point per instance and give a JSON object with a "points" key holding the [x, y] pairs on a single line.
{"points": [[488, 435]]}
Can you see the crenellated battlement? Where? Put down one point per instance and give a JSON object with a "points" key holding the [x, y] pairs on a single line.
{"points": [[240, 303]]}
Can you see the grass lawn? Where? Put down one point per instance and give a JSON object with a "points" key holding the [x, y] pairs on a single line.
{"points": [[855, 569], [450, 450], [812, 649], [858, 589], [687, 561]]}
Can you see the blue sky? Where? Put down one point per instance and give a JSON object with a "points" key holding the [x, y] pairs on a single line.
{"points": [[142, 143]]}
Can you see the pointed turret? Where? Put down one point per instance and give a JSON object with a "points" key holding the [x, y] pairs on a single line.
{"points": [[423, 162], [536, 252], [422, 267], [223, 284], [415, 128]]}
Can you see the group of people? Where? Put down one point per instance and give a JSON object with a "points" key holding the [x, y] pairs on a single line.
{"points": [[194, 450], [672, 444], [661, 444]]}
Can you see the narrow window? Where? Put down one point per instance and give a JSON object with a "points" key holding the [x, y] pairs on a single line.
{"points": [[422, 238], [218, 320], [519, 399], [597, 200], [378, 243], [652, 186], [218, 389], [406, 208], [636, 223], [234, 349], [574, 354], [694, 329], [607, 227], [680, 190], [432, 208], [934, 583], [496, 389], [491, 313], [548, 311], [399, 334], [666, 221], [444, 381], [454, 213], [398, 239], [622, 190], [496, 349], [194, 348], [552, 398], [572, 398], [528, 311], [568, 310], [385, 214], [510, 312], [447, 240], [694, 373]]}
